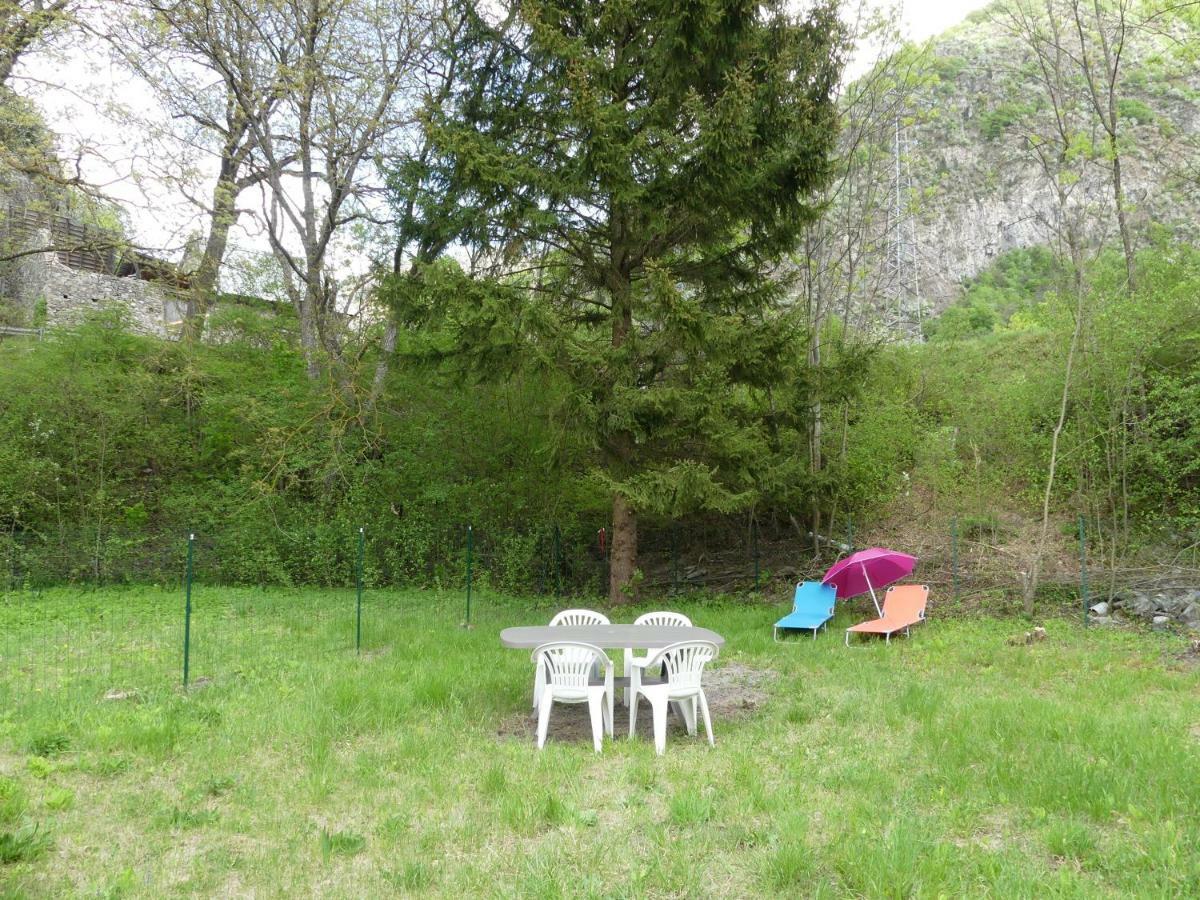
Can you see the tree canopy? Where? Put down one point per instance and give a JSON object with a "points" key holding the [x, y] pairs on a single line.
{"points": [[626, 178]]}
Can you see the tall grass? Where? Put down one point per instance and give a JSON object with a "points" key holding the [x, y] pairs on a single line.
{"points": [[949, 764]]}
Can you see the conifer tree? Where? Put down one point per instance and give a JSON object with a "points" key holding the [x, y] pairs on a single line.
{"points": [[625, 176]]}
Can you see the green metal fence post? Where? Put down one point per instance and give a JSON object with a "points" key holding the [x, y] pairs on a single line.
{"points": [[1083, 578], [954, 553], [470, 548], [358, 584], [187, 611], [754, 543]]}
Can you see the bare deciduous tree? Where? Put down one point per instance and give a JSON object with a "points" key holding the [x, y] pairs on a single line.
{"points": [[843, 253], [218, 80], [1058, 144], [349, 67], [1101, 32]]}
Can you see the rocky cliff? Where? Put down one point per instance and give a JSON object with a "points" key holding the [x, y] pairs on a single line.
{"points": [[977, 187]]}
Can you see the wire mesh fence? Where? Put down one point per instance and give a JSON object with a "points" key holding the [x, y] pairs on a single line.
{"points": [[89, 641], [130, 638]]}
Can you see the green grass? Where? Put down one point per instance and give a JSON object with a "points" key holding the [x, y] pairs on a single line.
{"points": [[951, 764]]}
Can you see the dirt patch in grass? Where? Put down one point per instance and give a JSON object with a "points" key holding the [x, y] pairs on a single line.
{"points": [[1186, 659], [734, 691]]}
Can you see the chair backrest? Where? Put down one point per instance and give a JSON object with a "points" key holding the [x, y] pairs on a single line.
{"points": [[663, 618], [685, 662], [568, 664], [906, 602], [812, 596], [579, 617]]}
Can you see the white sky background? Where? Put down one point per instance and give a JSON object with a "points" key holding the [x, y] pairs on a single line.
{"points": [[95, 108]]}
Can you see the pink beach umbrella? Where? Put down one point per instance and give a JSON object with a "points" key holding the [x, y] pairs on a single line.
{"points": [[862, 572]]}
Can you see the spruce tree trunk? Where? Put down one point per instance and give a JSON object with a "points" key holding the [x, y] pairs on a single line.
{"points": [[623, 565], [622, 588], [815, 437]]}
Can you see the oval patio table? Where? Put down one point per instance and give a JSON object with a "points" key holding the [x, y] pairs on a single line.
{"points": [[609, 637]]}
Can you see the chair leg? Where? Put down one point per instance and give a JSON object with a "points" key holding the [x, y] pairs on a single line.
{"points": [[686, 710], [625, 670], [609, 700], [633, 705], [539, 683], [847, 637], [659, 705], [544, 705], [596, 705], [707, 721]]}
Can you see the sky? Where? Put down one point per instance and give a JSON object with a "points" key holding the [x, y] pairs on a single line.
{"points": [[925, 18], [95, 109]]}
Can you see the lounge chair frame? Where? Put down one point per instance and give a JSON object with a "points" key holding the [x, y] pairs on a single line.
{"points": [[905, 625]]}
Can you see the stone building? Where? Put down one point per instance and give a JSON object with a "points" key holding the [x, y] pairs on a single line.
{"points": [[54, 270]]}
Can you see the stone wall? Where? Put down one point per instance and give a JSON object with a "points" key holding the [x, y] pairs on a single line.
{"points": [[70, 294], [37, 282]]}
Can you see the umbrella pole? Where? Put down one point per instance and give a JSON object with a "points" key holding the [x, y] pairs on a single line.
{"points": [[871, 588]]}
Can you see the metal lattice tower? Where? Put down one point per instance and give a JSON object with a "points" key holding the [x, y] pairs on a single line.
{"points": [[904, 314]]}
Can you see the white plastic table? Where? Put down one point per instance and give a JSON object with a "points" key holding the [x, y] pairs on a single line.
{"points": [[609, 637]]}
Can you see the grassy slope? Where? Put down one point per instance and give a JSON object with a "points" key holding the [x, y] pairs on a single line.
{"points": [[949, 764]]}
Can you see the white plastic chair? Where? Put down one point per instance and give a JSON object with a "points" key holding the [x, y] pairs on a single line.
{"points": [[569, 668], [685, 663], [650, 618], [566, 617], [579, 617]]}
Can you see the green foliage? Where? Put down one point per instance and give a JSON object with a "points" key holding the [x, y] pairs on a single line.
{"points": [[12, 801], [114, 447], [684, 159], [49, 744], [947, 68], [996, 121], [1015, 282], [27, 843], [966, 318], [341, 843], [1130, 448], [23, 130], [1136, 111]]}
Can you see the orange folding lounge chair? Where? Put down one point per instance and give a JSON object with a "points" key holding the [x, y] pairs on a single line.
{"points": [[903, 607]]}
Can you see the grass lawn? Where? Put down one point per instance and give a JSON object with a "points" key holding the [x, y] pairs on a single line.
{"points": [[952, 764]]}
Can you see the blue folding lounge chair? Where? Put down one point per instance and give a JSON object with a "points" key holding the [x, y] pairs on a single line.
{"points": [[812, 608]]}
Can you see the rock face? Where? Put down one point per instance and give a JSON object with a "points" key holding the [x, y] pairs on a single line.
{"points": [[983, 191]]}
